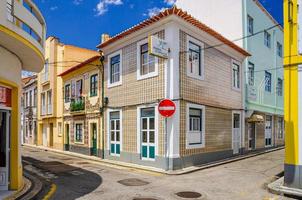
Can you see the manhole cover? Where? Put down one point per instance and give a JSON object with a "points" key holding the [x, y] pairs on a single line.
{"points": [[144, 198], [188, 195], [133, 182]]}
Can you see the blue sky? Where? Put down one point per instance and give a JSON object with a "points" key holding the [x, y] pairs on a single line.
{"points": [[81, 22]]}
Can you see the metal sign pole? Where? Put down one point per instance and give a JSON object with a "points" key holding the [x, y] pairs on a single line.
{"points": [[166, 144]]}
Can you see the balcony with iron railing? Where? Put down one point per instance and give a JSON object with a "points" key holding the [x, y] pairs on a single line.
{"points": [[22, 31], [77, 105]]}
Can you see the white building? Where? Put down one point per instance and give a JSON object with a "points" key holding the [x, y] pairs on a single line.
{"points": [[251, 26], [22, 37]]}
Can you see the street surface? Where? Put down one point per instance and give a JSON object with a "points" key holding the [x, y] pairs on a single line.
{"points": [[77, 178]]}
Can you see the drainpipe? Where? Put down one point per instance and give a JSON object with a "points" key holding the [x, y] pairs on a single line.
{"points": [[102, 110], [244, 75]]}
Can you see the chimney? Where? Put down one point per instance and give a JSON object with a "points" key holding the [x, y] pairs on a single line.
{"points": [[104, 38]]}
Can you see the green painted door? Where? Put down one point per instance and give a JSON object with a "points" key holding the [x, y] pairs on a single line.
{"points": [[67, 137], [94, 139], [148, 133]]}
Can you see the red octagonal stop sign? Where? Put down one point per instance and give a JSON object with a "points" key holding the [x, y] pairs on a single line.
{"points": [[166, 108]]}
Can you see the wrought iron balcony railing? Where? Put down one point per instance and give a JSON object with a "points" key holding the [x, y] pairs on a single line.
{"points": [[77, 104]]}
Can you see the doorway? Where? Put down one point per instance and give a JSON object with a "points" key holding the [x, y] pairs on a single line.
{"points": [[115, 133], [236, 135], [51, 134], [93, 139], [44, 134], [67, 137], [268, 130], [148, 133], [4, 149], [252, 136]]}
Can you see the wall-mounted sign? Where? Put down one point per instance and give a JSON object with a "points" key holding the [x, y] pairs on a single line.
{"points": [[252, 93], [5, 97], [158, 47]]}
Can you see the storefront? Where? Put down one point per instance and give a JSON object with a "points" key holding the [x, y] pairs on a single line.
{"points": [[5, 110]]}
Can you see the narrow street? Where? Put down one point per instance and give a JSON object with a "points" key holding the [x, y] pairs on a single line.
{"points": [[76, 178]]}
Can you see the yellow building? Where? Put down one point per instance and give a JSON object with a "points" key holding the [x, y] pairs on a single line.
{"points": [[82, 103], [58, 58], [293, 95], [22, 36]]}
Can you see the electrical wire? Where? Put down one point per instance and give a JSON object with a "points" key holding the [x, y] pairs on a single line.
{"points": [[55, 64]]}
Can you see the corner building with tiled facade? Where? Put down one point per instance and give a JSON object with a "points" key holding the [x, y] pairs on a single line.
{"points": [[202, 78]]}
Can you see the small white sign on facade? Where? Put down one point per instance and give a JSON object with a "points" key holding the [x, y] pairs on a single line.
{"points": [[158, 47], [252, 93]]}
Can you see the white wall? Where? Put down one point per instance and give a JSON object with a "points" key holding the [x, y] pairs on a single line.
{"points": [[210, 13], [10, 66]]}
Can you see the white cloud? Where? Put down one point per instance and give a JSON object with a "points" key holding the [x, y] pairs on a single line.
{"points": [[154, 11], [102, 6], [77, 2], [54, 8], [170, 2]]}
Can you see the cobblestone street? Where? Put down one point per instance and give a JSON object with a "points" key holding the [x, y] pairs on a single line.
{"points": [[245, 179]]}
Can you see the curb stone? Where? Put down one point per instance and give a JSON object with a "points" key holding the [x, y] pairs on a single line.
{"points": [[278, 188], [26, 185], [156, 170]]}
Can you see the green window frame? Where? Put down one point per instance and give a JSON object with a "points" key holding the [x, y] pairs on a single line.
{"points": [[67, 93], [94, 85]]}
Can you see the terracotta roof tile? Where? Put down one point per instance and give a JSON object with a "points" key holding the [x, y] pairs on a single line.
{"points": [[180, 13]]}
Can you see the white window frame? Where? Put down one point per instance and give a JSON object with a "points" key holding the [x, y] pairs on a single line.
{"points": [[138, 129], [138, 63], [272, 131], [282, 118], [49, 102], [267, 39], [202, 108], [60, 129], [201, 44], [43, 104], [74, 132], [250, 25], [280, 87], [110, 85], [108, 131], [279, 51], [240, 79]]}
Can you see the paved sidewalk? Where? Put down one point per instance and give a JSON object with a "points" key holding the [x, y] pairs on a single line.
{"points": [[241, 180], [153, 169], [11, 195]]}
